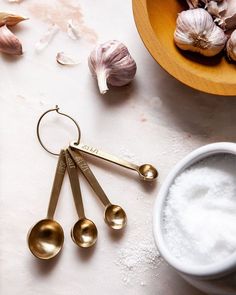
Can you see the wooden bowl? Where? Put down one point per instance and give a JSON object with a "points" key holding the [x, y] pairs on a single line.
{"points": [[156, 21]]}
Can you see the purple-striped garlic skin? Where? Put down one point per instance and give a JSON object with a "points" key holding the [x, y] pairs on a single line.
{"points": [[112, 64]]}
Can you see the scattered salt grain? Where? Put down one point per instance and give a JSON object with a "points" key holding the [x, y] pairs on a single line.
{"points": [[138, 261]]}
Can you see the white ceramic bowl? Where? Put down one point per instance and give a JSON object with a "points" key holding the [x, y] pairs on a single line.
{"points": [[218, 278]]}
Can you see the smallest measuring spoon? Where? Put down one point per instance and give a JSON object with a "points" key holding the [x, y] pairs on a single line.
{"points": [[146, 172]]}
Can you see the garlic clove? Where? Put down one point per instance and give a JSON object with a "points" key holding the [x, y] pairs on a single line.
{"points": [[197, 32], [231, 47], [9, 43], [112, 64], [64, 59], [10, 19]]}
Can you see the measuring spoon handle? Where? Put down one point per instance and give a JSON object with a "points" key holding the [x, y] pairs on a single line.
{"points": [[83, 166], [57, 184], [75, 185], [102, 155]]}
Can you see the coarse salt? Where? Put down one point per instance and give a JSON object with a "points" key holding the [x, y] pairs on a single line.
{"points": [[199, 217]]}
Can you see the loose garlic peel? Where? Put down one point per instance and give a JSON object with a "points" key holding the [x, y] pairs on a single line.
{"points": [[65, 59], [112, 64], [197, 32]]}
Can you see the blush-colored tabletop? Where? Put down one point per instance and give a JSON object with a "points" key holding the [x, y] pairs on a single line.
{"points": [[155, 119]]}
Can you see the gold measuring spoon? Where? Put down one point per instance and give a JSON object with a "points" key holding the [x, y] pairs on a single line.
{"points": [[146, 172], [84, 232], [114, 215], [46, 237]]}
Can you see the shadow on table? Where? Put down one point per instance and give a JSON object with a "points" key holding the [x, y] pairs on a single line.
{"points": [[192, 111], [86, 254], [115, 96], [44, 267], [170, 283], [123, 172]]}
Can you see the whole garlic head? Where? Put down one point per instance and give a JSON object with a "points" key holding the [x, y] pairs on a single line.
{"points": [[216, 8], [227, 18], [231, 46], [193, 3], [112, 63], [197, 32]]}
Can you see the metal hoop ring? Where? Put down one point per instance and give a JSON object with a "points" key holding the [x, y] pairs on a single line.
{"points": [[38, 125]]}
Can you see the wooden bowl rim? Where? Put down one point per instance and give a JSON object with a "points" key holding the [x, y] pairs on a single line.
{"points": [[155, 48]]}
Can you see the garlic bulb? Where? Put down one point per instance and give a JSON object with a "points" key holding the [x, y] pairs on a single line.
{"points": [[216, 8], [227, 18], [193, 3], [112, 63], [231, 46], [197, 32], [201, 3], [9, 43]]}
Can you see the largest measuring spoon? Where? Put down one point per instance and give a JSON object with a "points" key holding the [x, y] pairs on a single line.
{"points": [[46, 237], [114, 215], [146, 172]]}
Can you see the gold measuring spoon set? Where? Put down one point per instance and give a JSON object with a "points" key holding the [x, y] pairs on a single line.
{"points": [[46, 237]]}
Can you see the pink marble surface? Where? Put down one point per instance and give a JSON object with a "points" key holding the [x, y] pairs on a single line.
{"points": [[156, 119]]}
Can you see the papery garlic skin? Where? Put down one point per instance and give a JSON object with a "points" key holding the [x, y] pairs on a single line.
{"points": [[231, 46], [46, 38], [9, 43], [64, 59], [197, 32], [112, 64], [10, 19]]}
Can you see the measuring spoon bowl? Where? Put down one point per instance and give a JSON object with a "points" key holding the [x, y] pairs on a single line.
{"points": [[46, 239], [84, 233], [148, 172], [115, 217]]}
